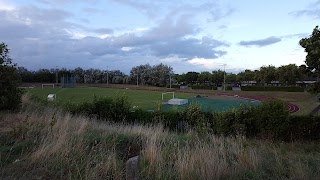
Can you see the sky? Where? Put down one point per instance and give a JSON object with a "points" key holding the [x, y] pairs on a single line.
{"points": [[188, 35]]}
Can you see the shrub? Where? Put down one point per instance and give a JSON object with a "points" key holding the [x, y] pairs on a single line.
{"points": [[272, 88], [10, 94], [203, 87], [314, 88], [272, 119], [175, 86], [116, 109]]}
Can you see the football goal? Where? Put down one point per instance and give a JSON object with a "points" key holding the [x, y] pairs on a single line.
{"points": [[167, 93], [46, 85]]}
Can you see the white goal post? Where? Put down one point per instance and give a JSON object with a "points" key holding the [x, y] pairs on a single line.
{"points": [[168, 93], [48, 85]]}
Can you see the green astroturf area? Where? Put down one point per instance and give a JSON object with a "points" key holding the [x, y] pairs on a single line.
{"points": [[211, 104], [139, 98]]}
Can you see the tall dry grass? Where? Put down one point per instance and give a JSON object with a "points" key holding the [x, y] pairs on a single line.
{"points": [[76, 147]]}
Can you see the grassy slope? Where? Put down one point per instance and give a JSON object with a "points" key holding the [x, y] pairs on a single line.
{"points": [[43, 143]]}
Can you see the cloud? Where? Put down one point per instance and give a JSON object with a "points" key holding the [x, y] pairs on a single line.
{"points": [[312, 11], [315, 13], [220, 12], [299, 35], [261, 42], [103, 31], [205, 63], [46, 37], [272, 40]]}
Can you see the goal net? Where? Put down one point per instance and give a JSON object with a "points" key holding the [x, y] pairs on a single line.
{"points": [[47, 86]]}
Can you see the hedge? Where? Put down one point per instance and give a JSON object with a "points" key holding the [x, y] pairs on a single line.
{"points": [[272, 88], [174, 86], [203, 87]]}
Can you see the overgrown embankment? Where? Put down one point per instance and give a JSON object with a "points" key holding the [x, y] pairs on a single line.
{"points": [[46, 143], [270, 120]]}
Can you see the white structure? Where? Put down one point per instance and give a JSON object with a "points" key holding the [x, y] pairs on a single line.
{"points": [[47, 85], [51, 97], [178, 101]]}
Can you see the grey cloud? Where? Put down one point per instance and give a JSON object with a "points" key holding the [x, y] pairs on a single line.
{"points": [[103, 31], [45, 42], [315, 13], [300, 35], [312, 11], [186, 48], [43, 15], [219, 13], [261, 42]]}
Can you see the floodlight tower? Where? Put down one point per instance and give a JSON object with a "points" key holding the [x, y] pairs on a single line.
{"points": [[224, 77], [107, 76], [137, 78], [56, 75], [170, 79]]}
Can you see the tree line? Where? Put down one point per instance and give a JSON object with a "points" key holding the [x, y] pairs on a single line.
{"points": [[285, 75], [157, 75], [160, 75]]}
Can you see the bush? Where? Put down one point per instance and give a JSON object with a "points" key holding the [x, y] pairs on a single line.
{"points": [[116, 109], [175, 86], [272, 88], [10, 94], [203, 87], [314, 88]]}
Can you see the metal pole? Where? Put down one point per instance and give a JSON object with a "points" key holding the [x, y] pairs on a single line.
{"points": [[56, 75], [107, 76], [137, 78], [224, 78], [170, 80]]}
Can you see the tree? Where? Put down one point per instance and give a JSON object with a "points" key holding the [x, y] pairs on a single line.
{"points": [[204, 77], [10, 94], [231, 78], [288, 74], [218, 77], [311, 46], [192, 77], [267, 74], [246, 75]]}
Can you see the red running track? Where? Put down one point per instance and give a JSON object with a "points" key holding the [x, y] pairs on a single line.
{"points": [[291, 107]]}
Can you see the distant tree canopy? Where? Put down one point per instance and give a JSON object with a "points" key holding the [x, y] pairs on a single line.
{"points": [[159, 75], [10, 95], [311, 46]]}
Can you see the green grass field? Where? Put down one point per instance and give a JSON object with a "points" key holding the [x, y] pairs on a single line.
{"points": [[140, 98], [149, 99]]}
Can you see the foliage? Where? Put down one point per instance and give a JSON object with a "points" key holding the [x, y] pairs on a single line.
{"points": [[175, 86], [191, 77], [288, 74], [314, 88], [157, 75], [312, 48], [104, 108], [203, 87], [272, 88], [10, 94]]}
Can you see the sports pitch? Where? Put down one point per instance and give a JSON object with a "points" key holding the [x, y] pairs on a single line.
{"points": [[138, 98]]}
